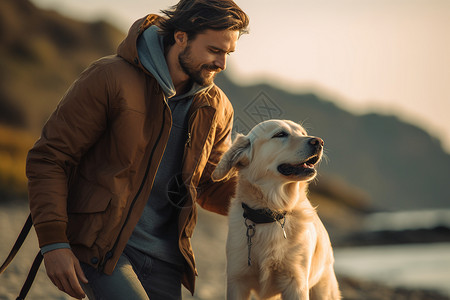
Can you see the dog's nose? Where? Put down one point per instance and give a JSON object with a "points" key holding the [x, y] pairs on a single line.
{"points": [[317, 142]]}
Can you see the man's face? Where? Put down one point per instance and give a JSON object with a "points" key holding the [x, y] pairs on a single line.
{"points": [[205, 55]]}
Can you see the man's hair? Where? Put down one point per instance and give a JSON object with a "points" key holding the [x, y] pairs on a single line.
{"points": [[196, 16]]}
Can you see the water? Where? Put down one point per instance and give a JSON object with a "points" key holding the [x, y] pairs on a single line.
{"points": [[404, 220], [425, 266]]}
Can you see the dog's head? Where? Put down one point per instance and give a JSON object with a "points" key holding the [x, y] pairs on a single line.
{"points": [[274, 150]]}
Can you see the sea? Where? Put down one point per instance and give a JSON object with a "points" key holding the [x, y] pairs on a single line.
{"points": [[424, 266]]}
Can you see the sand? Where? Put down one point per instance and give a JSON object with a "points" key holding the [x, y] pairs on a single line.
{"points": [[209, 247]]}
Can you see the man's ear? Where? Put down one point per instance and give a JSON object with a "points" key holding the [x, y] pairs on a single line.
{"points": [[181, 38], [236, 157]]}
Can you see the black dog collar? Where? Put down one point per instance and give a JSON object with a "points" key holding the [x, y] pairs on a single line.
{"points": [[260, 216]]}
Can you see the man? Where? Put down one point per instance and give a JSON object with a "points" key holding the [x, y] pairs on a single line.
{"points": [[121, 163]]}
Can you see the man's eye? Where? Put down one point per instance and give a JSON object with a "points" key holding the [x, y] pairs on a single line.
{"points": [[280, 134]]}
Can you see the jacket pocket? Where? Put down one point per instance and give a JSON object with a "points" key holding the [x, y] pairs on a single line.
{"points": [[88, 210], [88, 197]]}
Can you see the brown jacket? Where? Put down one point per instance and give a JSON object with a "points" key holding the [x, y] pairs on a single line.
{"points": [[91, 172]]}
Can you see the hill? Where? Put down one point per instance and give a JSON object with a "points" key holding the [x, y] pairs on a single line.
{"points": [[397, 165], [41, 53]]}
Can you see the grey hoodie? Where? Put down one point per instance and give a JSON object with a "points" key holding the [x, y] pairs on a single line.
{"points": [[156, 233]]}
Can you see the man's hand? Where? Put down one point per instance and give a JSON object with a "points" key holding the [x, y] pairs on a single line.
{"points": [[64, 270]]}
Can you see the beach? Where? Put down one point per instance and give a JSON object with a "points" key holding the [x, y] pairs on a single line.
{"points": [[209, 246]]}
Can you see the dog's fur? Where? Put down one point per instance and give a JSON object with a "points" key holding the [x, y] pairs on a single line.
{"points": [[272, 174]]}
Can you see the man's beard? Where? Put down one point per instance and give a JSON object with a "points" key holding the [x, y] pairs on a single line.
{"points": [[196, 75]]}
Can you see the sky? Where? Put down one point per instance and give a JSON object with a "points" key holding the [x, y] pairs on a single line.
{"points": [[385, 56]]}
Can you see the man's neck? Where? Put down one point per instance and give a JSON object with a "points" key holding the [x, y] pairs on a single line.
{"points": [[181, 80]]}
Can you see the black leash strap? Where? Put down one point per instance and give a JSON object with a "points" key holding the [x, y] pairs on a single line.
{"points": [[36, 263], [23, 234], [31, 275]]}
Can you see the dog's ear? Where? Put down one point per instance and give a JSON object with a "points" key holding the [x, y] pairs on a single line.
{"points": [[236, 157]]}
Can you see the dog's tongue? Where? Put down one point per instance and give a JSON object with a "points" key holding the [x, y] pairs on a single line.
{"points": [[306, 165]]}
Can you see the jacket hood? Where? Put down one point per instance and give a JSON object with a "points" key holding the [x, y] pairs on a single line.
{"points": [[128, 47]]}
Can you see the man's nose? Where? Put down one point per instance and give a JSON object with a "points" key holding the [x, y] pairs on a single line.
{"points": [[221, 62]]}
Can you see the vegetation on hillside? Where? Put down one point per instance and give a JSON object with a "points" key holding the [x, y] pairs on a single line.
{"points": [[14, 145], [41, 53]]}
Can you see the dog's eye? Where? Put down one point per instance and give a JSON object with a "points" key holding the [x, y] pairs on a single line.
{"points": [[280, 134]]}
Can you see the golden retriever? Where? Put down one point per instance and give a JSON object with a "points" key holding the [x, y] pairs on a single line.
{"points": [[276, 245]]}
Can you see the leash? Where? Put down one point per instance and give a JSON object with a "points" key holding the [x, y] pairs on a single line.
{"points": [[250, 233], [31, 275], [20, 239], [36, 263], [260, 216]]}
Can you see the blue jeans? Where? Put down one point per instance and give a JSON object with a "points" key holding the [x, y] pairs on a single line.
{"points": [[136, 276]]}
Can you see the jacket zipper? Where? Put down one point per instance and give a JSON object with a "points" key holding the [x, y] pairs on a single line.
{"points": [[189, 138], [110, 253], [188, 145], [188, 141]]}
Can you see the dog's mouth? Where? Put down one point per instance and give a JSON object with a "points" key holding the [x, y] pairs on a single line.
{"points": [[304, 169]]}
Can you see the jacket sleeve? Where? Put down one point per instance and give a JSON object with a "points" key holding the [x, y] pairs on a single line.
{"points": [[216, 196], [79, 119]]}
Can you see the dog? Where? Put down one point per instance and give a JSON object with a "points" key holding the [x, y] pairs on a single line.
{"points": [[276, 244]]}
